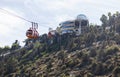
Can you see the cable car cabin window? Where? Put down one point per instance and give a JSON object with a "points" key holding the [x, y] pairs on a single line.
{"points": [[29, 32], [76, 24], [84, 23]]}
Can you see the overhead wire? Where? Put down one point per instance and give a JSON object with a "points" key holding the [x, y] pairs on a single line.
{"points": [[7, 12], [10, 13]]}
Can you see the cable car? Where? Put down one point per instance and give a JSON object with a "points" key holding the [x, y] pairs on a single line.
{"points": [[32, 33]]}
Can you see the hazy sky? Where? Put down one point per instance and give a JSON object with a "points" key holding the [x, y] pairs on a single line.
{"points": [[48, 13]]}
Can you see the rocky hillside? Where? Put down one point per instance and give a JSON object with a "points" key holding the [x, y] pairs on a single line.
{"points": [[95, 53], [76, 57]]}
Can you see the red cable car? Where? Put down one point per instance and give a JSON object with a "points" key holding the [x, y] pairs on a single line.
{"points": [[32, 33]]}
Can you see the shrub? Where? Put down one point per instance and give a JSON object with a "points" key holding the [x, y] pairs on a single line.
{"points": [[116, 71], [112, 50], [93, 52], [6, 48]]}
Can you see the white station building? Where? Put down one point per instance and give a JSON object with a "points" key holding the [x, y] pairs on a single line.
{"points": [[76, 26]]}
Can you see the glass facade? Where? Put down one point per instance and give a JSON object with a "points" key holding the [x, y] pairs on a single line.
{"points": [[67, 22], [67, 31], [67, 27]]}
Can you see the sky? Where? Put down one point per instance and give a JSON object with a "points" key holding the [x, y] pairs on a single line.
{"points": [[48, 13]]}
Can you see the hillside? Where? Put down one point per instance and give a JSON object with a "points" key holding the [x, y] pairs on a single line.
{"points": [[95, 53]]}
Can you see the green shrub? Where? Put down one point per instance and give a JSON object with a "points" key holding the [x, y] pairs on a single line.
{"points": [[112, 50], [6, 48]]}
